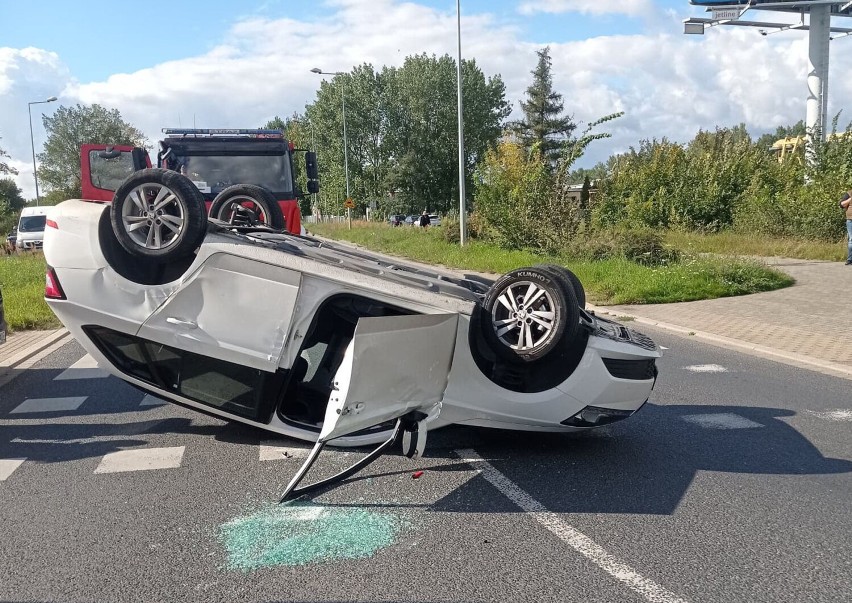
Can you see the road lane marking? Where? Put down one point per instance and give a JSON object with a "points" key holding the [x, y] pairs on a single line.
{"points": [[85, 368], [150, 400], [8, 466], [722, 420], [144, 459], [49, 404], [706, 368], [841, 414], [569, 534]]}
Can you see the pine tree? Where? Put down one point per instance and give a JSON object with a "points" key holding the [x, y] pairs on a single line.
{"points": [[543, 123]]}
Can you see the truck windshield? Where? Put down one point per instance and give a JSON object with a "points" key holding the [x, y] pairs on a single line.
{"points": [[213, 173], [32, 224]]}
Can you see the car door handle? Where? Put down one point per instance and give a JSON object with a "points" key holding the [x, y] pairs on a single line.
{"points": [[182, 323]]}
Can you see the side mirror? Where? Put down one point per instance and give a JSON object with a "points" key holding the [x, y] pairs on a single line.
{"points": [[311, 165], [313, 186], [109, 153]]}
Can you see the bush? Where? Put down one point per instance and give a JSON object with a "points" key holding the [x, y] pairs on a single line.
{"points": [[640, 245]]}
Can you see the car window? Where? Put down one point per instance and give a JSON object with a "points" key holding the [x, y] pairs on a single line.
{"points": [[32, 223], [109, 173]]}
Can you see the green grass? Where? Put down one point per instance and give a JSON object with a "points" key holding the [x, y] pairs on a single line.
{"points": [[732, 243], [22, 282], [608, 282]]}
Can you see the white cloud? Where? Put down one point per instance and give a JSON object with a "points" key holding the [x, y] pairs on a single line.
{"points": [[588, 7], [668, 84]]}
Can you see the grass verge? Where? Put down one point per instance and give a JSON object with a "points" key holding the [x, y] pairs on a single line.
{"points": [[22, 282], [608, 282], [732, 243]]}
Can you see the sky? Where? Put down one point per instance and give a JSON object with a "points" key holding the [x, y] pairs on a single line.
{"points": [[238, 64]]}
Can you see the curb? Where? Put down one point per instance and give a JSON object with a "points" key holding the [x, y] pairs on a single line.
{"points": [[823, 366], [32, 354]]}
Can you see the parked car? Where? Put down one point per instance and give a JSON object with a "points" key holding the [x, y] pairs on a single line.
{"points": [[434, 220], [396, 219], [411, 220], [322, 342], [2, 319], [30, 232]]}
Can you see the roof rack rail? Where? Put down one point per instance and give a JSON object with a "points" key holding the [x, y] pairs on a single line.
{"points": [[223, 132]]}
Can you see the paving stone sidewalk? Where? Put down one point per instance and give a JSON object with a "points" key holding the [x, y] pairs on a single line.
{"points": [[812, 320], [21, 344]]}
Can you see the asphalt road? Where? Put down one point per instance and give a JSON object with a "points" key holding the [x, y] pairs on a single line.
{"points": [[734, 483]]}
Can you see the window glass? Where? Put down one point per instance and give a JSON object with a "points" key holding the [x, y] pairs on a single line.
{"points": [[32, 223], [219, 172], [108, 174]]}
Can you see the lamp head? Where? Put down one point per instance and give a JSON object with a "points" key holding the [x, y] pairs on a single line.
{"points": [[316, 70], [51, 99]]}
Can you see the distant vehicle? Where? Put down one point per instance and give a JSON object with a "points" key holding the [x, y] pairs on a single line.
{"points": [[12, 238], [396, 219], [434, 220], [411, 220], [31, 227], [245, 176]]}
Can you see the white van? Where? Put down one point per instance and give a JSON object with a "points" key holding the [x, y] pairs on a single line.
{"points": [[31, 227]]}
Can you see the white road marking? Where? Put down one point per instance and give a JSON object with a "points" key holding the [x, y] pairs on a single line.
{"points": [[273, 450], [706, 368], [85, 368], [841, 414], [49, 404], [722, 420], [143, 459], [662, 347], [150, 400], [8, 466], [569, 534]]}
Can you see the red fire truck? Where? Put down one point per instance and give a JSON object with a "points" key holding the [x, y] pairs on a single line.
{"points": [[246, 176]]}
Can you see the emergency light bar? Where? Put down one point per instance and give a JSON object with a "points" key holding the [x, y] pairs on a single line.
{"points": [[225, 131]]}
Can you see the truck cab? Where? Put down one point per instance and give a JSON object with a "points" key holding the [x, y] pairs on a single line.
{"points": [[213, 159]]}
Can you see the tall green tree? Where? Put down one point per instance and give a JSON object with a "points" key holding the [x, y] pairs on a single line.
{"points": [[69, 128], [401, 132], [543, 123]]}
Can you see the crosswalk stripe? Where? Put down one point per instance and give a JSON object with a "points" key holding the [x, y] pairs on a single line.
{"points": [[143, 459], [8, 466], [722, 420], [150, 400], [49, 404], [85, 368]]}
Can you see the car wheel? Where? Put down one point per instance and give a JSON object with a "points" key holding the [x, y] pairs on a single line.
{"points": [[247, 205], [158, 213], [529, 312], [572, 278]]}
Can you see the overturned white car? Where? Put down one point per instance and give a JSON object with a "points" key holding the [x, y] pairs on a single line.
{"points": [[322, 342]]}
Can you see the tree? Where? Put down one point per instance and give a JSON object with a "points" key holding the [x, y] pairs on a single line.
{"points": [[5, 168], [67, 130], [543, 123]]}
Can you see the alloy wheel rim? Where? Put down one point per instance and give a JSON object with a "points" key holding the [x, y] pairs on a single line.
{"points": [[154, 218], [523, 316]]}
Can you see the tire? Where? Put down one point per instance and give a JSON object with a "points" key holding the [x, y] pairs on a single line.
{"points": [[572, 278], [265, 209], [529, 312], [158, 214]]}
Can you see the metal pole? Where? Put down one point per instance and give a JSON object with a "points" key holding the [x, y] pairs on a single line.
{"points": [[462, 212], [345, 145], [32, 143], [818, 38]]}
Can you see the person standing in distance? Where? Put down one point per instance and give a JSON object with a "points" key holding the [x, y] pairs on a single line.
{"points": [[424, 220], [846, 204]]}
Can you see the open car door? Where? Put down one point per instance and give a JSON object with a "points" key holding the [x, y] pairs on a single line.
{"points": [[395, 368], [104, 167]]}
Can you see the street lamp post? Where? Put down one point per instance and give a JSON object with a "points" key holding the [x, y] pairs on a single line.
{"points": [[462, 210], [32, 140], [319, 71]]}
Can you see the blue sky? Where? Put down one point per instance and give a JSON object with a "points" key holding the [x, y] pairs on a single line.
{"points": [[237, 64]]}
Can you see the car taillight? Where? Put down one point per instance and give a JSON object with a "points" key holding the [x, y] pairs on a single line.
{"points": [[52, 224], [52, 288]]}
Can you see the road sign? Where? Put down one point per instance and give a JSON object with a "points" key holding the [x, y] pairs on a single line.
{"points": [[349, 204]]}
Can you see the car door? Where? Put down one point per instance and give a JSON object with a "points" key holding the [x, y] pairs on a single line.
{"points": [[104, 167], [394, 365]]}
